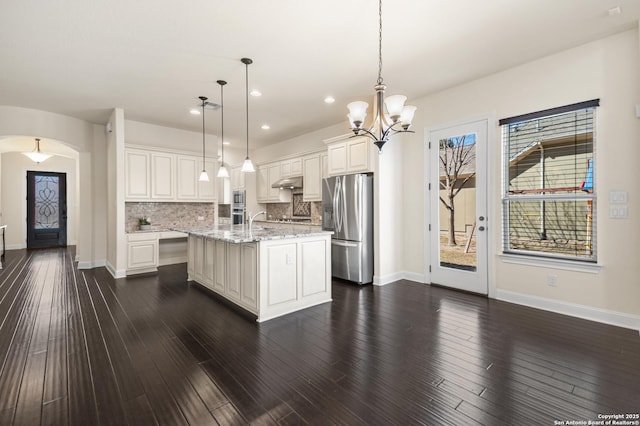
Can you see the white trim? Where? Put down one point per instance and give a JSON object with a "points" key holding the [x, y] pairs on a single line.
{"points": [[115, 273], [16, 246], [414, 276], [605, 316], [545, 262], [387, 279], [91, 265]]}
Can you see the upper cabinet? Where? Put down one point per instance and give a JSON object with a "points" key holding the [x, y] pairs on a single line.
{"points": [[137, 170], [350, 156], [312, 177], [237, 179], [291, 167], [266, 176], [158, 176]]}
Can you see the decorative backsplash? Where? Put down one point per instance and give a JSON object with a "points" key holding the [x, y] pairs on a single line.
{"points": [[277, 211], [169, 215], [301, 208]]}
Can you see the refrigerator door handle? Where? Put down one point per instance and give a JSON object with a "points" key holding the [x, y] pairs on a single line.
{"points": [[344, 243], [334, 201], [339, 204]]}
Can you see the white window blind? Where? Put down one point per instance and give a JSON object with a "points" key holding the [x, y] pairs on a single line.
{"points": [[549, 198]]}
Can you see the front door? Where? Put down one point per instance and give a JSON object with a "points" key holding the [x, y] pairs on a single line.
{"points": [[458, 219], [46, 209]]}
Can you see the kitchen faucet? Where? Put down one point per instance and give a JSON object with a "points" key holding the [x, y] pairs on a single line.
{"points": [[251, 218]]}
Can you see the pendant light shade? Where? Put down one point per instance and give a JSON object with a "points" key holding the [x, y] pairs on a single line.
{"points": [[222, 171], [247, 166], [36, 156], [204, 177]]}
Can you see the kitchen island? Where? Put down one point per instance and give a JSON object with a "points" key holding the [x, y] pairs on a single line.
{"points": [[268, 272]]}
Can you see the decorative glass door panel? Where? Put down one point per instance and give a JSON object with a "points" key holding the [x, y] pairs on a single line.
{"points": [[46, 209]]}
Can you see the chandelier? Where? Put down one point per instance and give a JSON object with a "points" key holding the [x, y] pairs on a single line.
{"points": [[397, 118], [36, 155]]}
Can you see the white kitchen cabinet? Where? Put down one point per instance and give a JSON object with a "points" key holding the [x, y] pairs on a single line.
{"points": [[232, 288], [312, 177], [209, 273], [350, 156], [198, 269], [266, 176], [274, 175], [262, 184], [187, 178], [221, 266], [237, 179], [152, 175], [249, 276], [324, 161], [142, 253], [162, 176], [291, 167], [207, 190], [137, 172]]}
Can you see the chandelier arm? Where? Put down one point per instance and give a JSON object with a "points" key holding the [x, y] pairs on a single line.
{"points": [[366, 133]]}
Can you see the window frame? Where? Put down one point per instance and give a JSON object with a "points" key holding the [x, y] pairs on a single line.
{"points": [[512, 254]]}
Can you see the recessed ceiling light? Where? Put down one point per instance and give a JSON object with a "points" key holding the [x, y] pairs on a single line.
{"points": [[194, 111], [255, 92], [329, 100], [226, 143], [614, 11], [265, 127]]}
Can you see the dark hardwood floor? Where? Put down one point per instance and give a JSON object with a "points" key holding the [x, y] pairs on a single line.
{"points": [[81, 348]]}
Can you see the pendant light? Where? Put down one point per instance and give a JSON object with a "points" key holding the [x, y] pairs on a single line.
{"points": [[222, 171], [247, 166], [383, 125], [36, 156], [204, 177]]}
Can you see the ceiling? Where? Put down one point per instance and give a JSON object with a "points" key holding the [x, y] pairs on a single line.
{"points": [[154, 58]]}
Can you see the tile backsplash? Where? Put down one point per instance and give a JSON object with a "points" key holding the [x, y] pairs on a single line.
{"points": [[308, 209], [169, 215]]}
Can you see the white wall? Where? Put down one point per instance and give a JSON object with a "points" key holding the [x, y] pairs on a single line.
{"points": [[80, 136], [608, 69], [14, 194]]}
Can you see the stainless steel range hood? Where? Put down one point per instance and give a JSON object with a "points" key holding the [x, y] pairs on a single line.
{"points": [[294, 182]]}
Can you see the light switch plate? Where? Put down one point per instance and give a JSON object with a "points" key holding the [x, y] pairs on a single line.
{"points": [[618, 197], [618, 212]]}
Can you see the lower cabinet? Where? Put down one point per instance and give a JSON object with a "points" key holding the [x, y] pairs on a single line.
{"points": [[142, 253]]}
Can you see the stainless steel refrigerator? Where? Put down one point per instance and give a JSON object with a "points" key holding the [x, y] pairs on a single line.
{"points": [[347, 210]]}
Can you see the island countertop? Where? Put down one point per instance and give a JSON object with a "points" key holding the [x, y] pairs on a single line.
{"points": [[240, 233]]}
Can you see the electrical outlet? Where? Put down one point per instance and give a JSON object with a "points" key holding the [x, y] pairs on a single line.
{"points": [[200, 217], [289, 259], [552, 280]]}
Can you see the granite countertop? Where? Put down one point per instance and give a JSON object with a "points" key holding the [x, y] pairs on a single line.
{"points": [[289, 222], [240, 233]]}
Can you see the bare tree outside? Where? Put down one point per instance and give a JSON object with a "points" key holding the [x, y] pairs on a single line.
{"points": [[457, 167]]}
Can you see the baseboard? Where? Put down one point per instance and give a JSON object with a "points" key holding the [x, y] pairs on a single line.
{"points": [[90, 265], [414, 276], [114, 272], [605, 316], [16, 246], [387, 279]]}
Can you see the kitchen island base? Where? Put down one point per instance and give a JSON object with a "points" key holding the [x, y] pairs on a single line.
{"points": [[269, 277]]}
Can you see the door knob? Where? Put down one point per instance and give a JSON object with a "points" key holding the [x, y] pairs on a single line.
{"points": [[481, 228]]}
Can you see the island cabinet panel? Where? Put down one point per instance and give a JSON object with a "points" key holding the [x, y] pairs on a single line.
{"points": [[221, 266], [233, 272], [313, 267], [249, 276], [281, 269], [191, 258], [198, 270], [209, 273]]}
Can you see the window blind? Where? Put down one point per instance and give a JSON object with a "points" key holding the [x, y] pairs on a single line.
{"points": [[549, 197]]}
